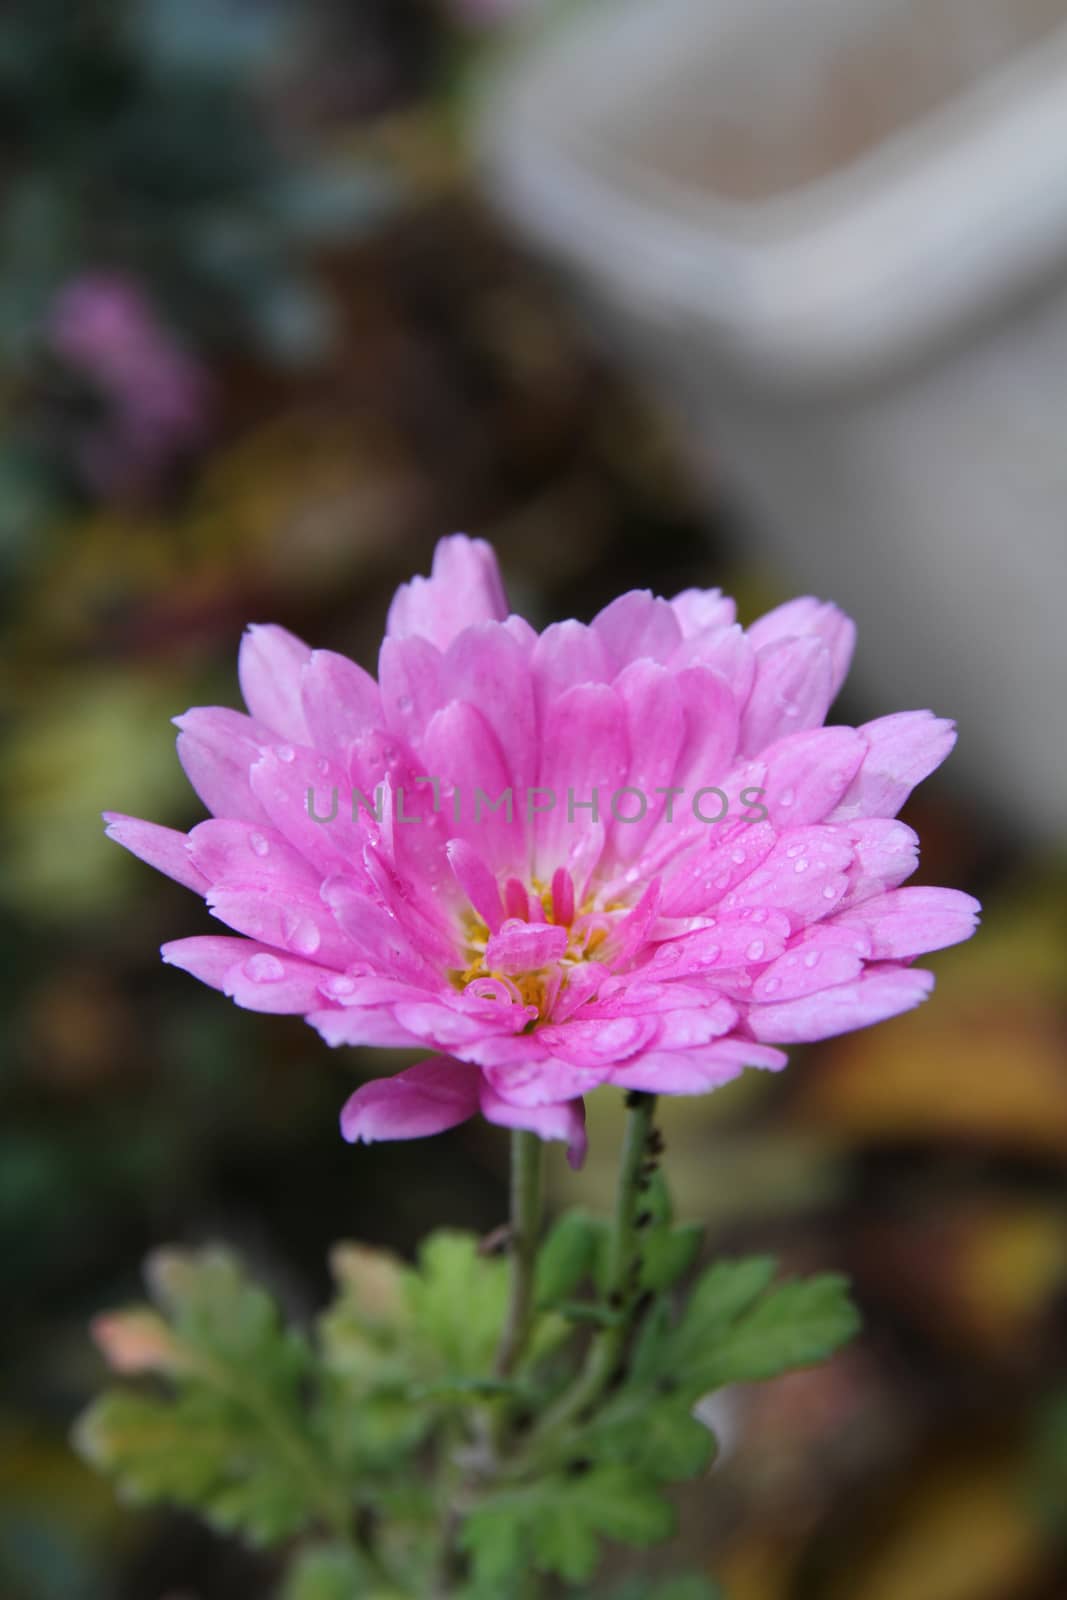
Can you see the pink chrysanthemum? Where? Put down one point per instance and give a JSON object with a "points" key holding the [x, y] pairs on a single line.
{"points": [[695, 870]]}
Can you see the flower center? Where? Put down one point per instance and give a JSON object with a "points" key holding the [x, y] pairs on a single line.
{"points": [[521, 963]]}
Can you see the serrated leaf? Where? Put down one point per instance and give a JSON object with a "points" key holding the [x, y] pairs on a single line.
{"points": [[556, 1524], [656, 1437], [565, 1258], [792, 1326], [458, 1300], [190, 1452], [233, 1439]]}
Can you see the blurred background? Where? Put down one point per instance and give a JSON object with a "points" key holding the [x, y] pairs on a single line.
{"points": [[649, 298]]}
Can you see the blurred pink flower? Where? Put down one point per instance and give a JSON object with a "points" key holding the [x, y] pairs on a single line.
{"points": [[156, 398], [542, 954]]}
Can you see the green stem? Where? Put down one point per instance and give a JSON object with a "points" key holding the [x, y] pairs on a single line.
{"points": [[526, 1165], [623, 1277]]}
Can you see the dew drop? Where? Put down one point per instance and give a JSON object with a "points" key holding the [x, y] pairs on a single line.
{"points": [[324, 767], [632, 875], [755, 950], [829, 892], [258, 845], [744, 981], [772, 985], [786, 798], [738, 856], [759, 916], [812, 959], [800, 866], [286, 753], [263, 968], [794, 851]]}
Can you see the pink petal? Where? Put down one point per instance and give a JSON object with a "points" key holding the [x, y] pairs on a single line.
{"points": [[794, 690], [599, 1043], [565, 1121], [298, 922], [217, 749], [824, 957], [524, 947], [566, 654], [477, 882], [410, 672], [637, 625], [373, 1026], [733, 939], [256, 977], [583, 749], [269, 665], [810, 617], [698, 1071], [902, 750], [878, 994], [163, 848], [803, 875], [465, 588], [911, 922], [462, 750], [702, 610], [726, 651], [282, 781], [655, 731], [885, 854], [340, 701], [485, 667], [241, 854], [430, 1098], [807, 773]]}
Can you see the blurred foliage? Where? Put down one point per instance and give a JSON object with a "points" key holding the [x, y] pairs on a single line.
{"points": [[362, 1432]]}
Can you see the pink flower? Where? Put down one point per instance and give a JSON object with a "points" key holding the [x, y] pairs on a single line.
{"points": [[752, 900], [158, 399]]}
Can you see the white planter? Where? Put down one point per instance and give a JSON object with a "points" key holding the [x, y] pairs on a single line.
{"points": [[832, 236]]}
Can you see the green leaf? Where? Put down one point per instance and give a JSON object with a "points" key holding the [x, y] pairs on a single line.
{"points": [[326, 1572], [556, 1524], [232, 1439], [668, 1254], [793, 1326], [656, 1437], [192, 1452], [566, 1258], [681, 1588], [457, 1300]]}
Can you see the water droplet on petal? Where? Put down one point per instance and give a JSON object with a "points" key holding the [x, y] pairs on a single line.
{"points": [[258, 845], [812, 959], [738, 856], [286, 753], [341, 985], [772, 985], [263, 968], [632, 875], [786, 798], [324, 767], [794, 850], [744, 981], [800, 866], [755, 950], [829, 892]]}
